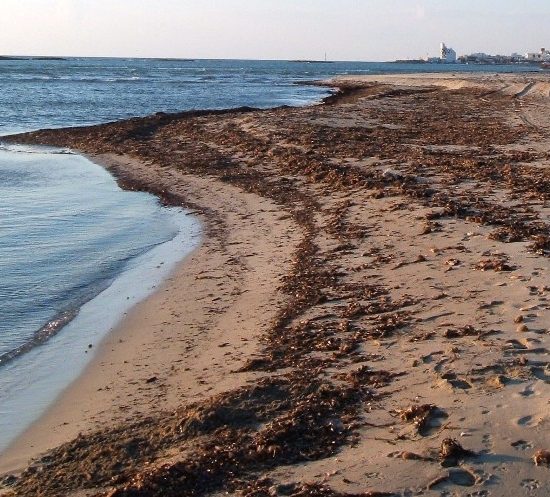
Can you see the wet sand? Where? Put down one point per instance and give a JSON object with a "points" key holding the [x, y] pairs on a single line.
{"points": [[368, 313]]}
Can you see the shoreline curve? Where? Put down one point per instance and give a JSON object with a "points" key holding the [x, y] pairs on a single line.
{"points": [[359, 257], [93, 399]]}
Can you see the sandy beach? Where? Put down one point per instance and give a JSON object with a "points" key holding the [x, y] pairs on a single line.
{"points": [[368, 312]]}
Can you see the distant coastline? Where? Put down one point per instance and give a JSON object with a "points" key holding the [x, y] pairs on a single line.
{"points": [[448, 55], [18, 57], [469, 63], [311, 61]]}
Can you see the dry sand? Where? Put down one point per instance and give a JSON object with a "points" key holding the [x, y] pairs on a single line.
{"points": [[382, 260]]}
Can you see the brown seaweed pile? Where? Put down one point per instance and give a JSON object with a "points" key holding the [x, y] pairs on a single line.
{"points": [[451, 452], [421, 416]]}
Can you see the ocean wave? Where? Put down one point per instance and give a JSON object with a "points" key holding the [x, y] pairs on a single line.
{"points": [[72, 79], [25, 149], [50, 329], [356, 71]]}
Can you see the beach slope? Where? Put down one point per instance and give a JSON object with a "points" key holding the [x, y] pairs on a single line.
{"points": [[368, 313]]}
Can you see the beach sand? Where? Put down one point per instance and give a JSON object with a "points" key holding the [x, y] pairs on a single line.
{"points": [[193, 331], [368, 312]]}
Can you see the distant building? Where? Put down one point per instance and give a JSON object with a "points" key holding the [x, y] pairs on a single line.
{"points": [[448, 55], [533, 56], [542, 56], [483, 58]]}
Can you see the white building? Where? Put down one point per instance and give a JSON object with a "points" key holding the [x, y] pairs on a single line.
{"points": [[448, 55], [542, 56]]}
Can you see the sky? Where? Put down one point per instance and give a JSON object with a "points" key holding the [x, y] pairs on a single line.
{"points": [[366, 30]]}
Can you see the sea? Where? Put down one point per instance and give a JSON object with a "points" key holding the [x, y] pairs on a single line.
{"points": [[76, 251]]}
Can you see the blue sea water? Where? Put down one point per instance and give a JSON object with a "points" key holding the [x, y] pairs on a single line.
{"points": [[66, 229], [70, 239], [76, 252], [57, 93]]}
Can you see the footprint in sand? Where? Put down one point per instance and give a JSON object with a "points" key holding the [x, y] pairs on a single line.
{"points": [[525, 421], [452, 380], [530, 484], [487, 441], [462, 477], [522, 445], [528, 391], [541, 373]]}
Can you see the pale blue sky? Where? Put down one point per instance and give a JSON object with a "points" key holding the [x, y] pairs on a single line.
{"points": [[272, 29]]}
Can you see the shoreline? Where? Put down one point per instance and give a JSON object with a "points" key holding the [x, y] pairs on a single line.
{"points": [[31, 443], [359, 256], [61, 420], [141, 277], [79, 407], [46, 373], [34, 376]]}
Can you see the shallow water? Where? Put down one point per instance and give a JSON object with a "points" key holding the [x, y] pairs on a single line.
{"points": [[68, 234], [66, 229]]}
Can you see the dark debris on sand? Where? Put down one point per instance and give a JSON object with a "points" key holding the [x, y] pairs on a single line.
{"points": [[302, 410]]}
